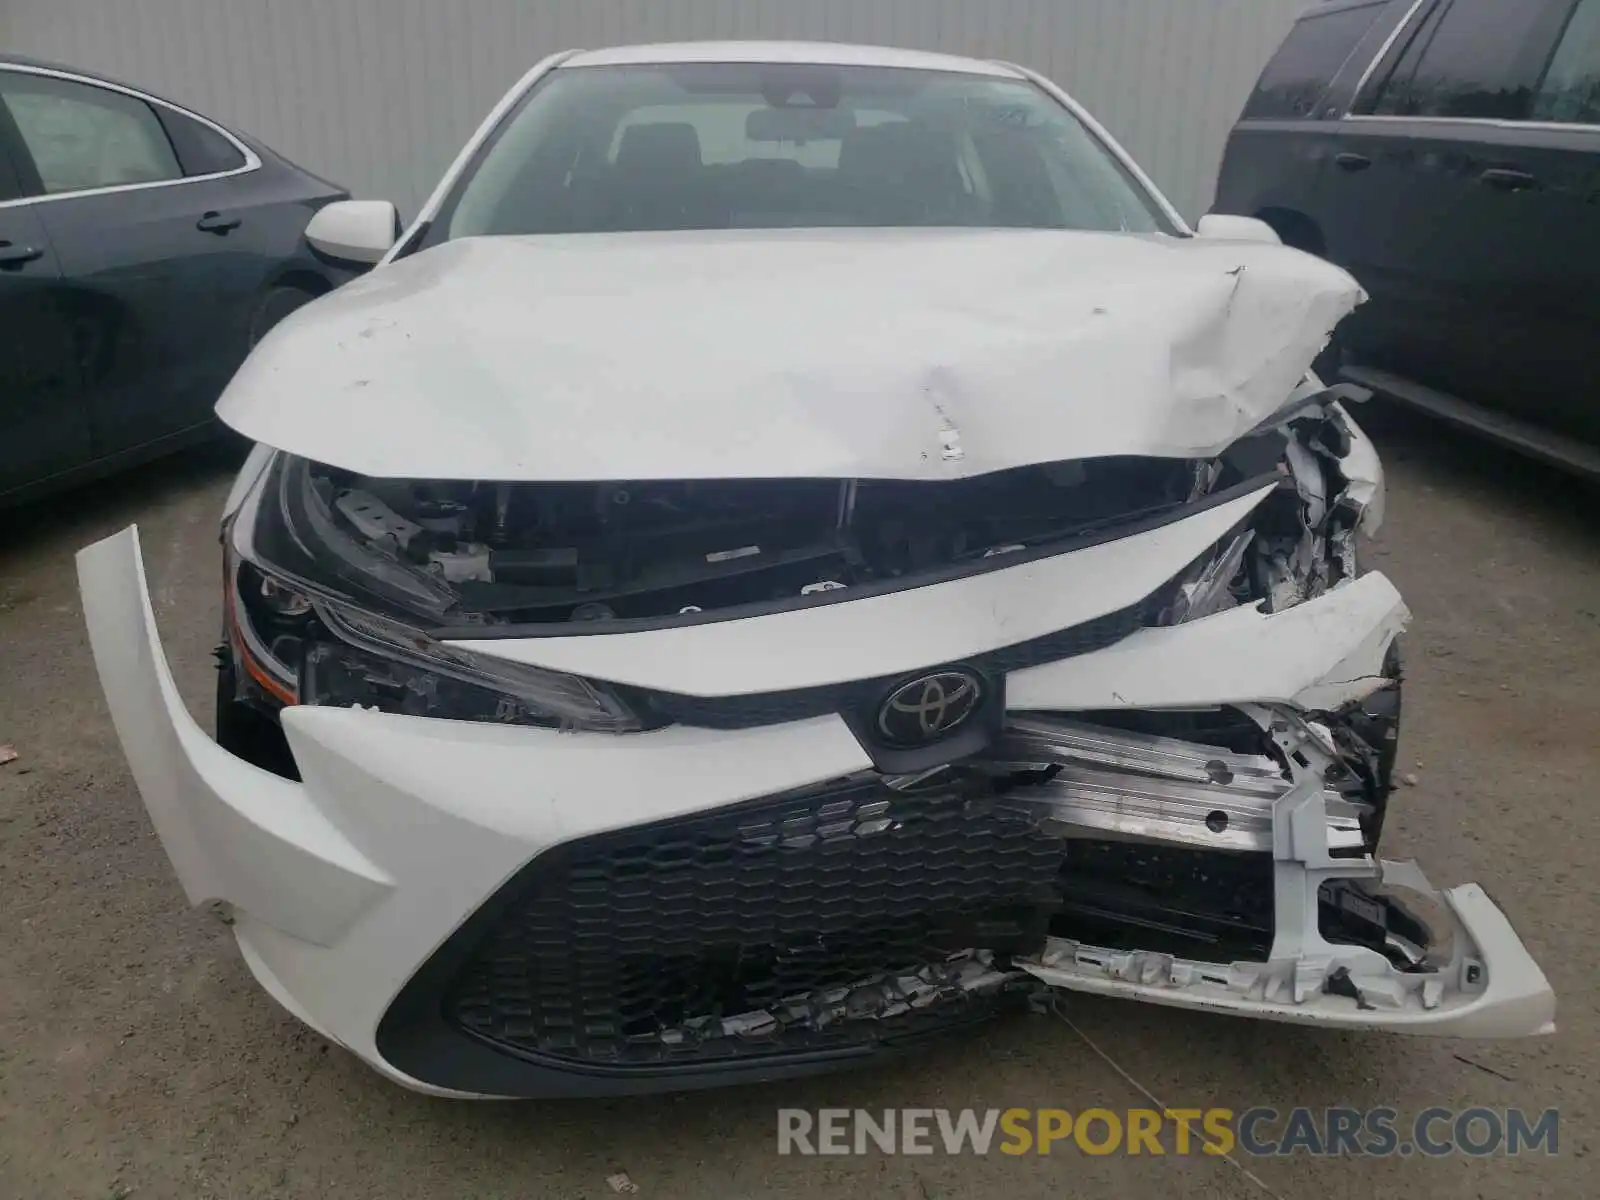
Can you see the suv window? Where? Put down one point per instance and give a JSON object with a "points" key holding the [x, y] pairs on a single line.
{"points": [[10, 181], [1570, 92], [1460, 61], [82, 137], [1313, 53]]}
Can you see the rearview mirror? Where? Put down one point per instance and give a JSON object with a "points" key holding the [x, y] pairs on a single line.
{"points": [[1224, 228], [361, 231]]}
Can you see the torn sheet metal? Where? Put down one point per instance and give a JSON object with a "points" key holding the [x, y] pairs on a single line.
{"points": [[1098, 782], [1363, 474], [766, 353], [1319, 442], [1487, 985]]}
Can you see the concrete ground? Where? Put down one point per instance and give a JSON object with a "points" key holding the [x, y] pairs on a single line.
{"points": [[137, 1057]]}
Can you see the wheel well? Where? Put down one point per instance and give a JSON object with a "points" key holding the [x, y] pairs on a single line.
{"points": [[308, 284], [1296, 229], [302, 281]]}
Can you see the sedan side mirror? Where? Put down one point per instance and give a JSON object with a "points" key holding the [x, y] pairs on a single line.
{"points": [[361, 231], [1224, 228]]}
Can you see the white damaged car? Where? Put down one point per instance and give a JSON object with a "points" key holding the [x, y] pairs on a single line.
{"points": [[796, 549]]}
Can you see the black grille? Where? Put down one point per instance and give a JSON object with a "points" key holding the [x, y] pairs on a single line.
{"points": [[772, 708], [1201, 904], [631, 948]]}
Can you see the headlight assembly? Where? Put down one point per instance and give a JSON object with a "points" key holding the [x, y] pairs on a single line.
{"points": [[313, 617], [362, 659]]}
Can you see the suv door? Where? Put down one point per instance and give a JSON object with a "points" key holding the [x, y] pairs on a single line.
{"points": [[134, 239], [1425, 142], [1540, 239], [1278, 150], [44, 426]]}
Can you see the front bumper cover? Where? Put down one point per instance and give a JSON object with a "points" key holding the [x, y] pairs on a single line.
{"points": [[342, 888]]}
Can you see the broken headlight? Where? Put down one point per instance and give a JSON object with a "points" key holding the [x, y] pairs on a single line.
{"points": [[314, 617], [1212, 584], [1301, 541]]}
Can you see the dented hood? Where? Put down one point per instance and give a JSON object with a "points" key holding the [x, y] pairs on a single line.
{"points": [[905, 354]]}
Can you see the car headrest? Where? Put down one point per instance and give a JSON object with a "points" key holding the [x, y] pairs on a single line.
{"points": [[670, 145], [897, 149]]}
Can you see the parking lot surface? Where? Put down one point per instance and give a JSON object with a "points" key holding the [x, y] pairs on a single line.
{"points": [[138, 1058]]}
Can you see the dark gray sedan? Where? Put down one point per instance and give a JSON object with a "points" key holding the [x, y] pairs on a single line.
{"points": [[143, 250]]}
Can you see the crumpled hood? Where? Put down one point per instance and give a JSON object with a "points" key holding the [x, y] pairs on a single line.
{"points": [[905, 354]]}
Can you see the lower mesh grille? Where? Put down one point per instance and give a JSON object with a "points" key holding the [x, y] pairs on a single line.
{"points": [[637, 947]]}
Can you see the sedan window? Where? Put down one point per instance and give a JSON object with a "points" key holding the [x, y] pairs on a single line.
{"points": [[82, 137], [763, 145], [201, 149]]}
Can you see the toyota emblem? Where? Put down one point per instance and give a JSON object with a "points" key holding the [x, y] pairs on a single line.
{"points": [[928, 708]]}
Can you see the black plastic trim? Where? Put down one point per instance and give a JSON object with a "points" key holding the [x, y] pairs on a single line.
{"points": [[766, 608], [19, 178], [435, 1052], [852, 696]]}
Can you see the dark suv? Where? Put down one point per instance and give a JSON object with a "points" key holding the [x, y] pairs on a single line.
{"points": [[1447, 154]]}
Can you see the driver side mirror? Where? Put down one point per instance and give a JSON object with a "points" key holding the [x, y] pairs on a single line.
{"points": [[359, 231], [1224, 228]]}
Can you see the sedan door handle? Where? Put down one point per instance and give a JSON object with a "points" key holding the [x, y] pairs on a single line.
{"points": [[1508, 180], [1351, 161], [215, 222], [15, 256]]}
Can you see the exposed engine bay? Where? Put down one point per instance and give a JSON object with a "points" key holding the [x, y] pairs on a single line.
{"points": [[519, 553], [528, 553]]}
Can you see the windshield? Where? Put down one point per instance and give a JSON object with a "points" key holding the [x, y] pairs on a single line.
{"points": [[774, 145]]}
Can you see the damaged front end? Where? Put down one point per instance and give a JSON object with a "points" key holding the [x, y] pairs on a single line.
{"points": [[1219, 855], [671, 657], [352, 589]]}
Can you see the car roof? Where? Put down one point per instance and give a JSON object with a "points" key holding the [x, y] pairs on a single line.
{"points": [[821, 53], [7, 59], [1324, 8]]}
